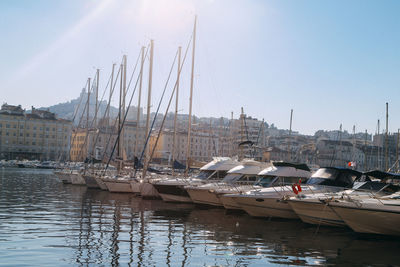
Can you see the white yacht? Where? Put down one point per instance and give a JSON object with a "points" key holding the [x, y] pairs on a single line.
{"points": [[270, 201], [242, 176], [374, 215], [313, 207], [173, 190]]}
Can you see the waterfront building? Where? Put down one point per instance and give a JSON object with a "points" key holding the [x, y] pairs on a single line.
{"points": [[36, 135], [204, 146], [100, 142]]}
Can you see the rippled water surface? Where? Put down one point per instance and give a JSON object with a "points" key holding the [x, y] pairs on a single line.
{"points": [[46, 223]]}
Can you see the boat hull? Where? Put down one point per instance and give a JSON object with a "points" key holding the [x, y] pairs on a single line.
{"points": [[266, 207], [316, 213], [173, 193], [118, 186], [204, 197], [369, 220], [148, 191], [100, 182], [230, 203], [77, 179], [91, 182]]}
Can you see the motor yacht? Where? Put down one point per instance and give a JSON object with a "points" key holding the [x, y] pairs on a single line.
{"points": [[173, 190], [242, 176], [271, 200]]}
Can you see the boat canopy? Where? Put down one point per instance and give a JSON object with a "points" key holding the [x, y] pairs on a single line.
{"points": [[334, 176], [382, 175], [300, 166], [220, 163], [249, 167], [284, 169]]}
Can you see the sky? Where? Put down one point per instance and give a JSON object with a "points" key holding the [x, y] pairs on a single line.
{"points": [[332, 62]]}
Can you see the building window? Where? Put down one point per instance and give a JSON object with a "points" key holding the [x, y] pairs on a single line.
{"points": [[7, 125]]}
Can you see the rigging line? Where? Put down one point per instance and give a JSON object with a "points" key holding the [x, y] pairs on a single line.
{"points": [[109, 104], [108, 108], [180, 70], [98, 133], [79, 104], [169, 104], [124, 119], [80, 101], [133, 72], [158, 107]]}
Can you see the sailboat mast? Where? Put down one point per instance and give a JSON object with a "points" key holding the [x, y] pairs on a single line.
{"points": [[97, 98], [139, 103], [119, 113], [87, 117], [176, 109], [379, 154], [111, 90], [386, 138], [149, 97], [397, 150], [122, 137], [290, 136], [188, 152]]}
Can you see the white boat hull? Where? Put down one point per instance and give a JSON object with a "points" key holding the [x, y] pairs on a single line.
{"points": [[175, 198], [230, 203], [316, 213], [101, 183], [118, 186], [266, 207], [77, 179], [204, 196], [147, 190], [369, 220]]}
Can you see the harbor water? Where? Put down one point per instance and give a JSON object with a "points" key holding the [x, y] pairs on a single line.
{"points": [[46, 223]]}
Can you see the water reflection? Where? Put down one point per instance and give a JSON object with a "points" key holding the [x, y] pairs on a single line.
{"points": [[43, 222]]}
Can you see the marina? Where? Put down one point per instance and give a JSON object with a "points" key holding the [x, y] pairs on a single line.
{"points": [[200, 133], [45, 221]]}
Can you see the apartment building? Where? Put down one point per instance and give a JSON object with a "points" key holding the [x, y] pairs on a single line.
{"points": [[37, 135]]}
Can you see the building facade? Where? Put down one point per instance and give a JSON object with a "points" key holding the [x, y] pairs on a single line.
{"points": [[38, 135]]}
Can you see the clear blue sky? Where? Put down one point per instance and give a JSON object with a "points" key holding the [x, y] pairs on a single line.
{"points": [[331, 61]]}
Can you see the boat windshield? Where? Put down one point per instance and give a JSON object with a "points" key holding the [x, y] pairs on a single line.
{"points": [[265, 180], [232, 177], [332, 177], [204, 174], [217, 175], [322, 175]]}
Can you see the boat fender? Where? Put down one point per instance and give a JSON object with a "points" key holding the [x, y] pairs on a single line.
{"points": [[294, 189]]}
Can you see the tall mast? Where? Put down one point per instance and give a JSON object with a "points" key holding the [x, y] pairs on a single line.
{"points": [[121, 95], [87, 116], [354, 144], [122, 137], [290, 136], [365, 151], [241, 133], [379, 156], [149, 97], [188, 154], [88, 105], [386, 138], [139, 102], [97, 98], [111, 90], [176, 109], [397, 150]]}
